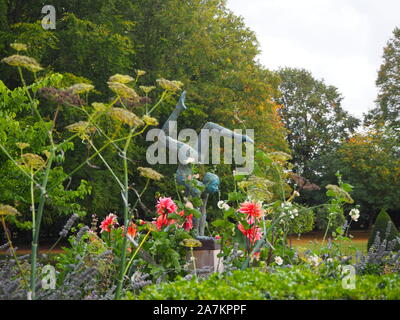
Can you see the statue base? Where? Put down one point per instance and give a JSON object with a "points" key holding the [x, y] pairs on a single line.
{"points": [[207, 255]]}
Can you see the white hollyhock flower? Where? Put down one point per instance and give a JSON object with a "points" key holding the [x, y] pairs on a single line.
{"points": [[189, 205], [223, 205], [220, 204], [354, 214], [278, 260]]}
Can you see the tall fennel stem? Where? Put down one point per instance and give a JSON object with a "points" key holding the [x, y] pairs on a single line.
{"points": [[145, 237], [33, 205], [57, 183], [14, 162], [126, 217], [163, 95], [107, 165], [110, 141], [36, 227]]}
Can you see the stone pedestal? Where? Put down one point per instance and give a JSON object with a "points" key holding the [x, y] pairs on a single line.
{"points": [[207, 255]]}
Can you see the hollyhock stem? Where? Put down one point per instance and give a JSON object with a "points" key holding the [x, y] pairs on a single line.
{"points": [[326, 231], [194, 262], [135, 253], [3, 222]]}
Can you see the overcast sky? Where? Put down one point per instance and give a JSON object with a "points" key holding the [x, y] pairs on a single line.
{"points": [[340, 41]]}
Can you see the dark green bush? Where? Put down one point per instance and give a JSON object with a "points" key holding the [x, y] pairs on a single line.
{"points": [[283, 284], [381, 226]]}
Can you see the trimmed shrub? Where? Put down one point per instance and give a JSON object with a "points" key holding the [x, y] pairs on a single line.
{"points": [[386, 228], [292, 283]]}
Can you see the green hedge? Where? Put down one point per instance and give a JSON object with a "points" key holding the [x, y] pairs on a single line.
{"points": [[284, 284]]}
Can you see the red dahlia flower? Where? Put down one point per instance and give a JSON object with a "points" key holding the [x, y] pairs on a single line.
{"points": [[253, 234], [108, 222], [166, 205], [253, 210], [132, 230], [188, 225], [161, 221]]}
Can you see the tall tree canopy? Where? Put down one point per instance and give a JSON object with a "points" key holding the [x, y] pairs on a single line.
{"points": [[201, 43], [387, 111], [371, 163], [315, 120], [374, 156]]}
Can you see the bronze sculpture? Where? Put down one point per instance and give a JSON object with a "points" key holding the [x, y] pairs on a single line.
{"points": [[189, 156]]}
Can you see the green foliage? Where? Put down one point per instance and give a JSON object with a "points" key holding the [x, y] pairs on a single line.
{"points": [[387, 111], [333, 212], [38, 41], [203, 44], [373, 158], [304, 222], [268, 187], [18, 125], [168, 253], [370, 162], [317, 124], [280, 284], [322, 216], [386, 228], [3, 14], [79, 41], [87, 247], [46, 177]]}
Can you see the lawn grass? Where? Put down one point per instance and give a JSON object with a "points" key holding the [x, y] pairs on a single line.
{"points": [[348, 248]]}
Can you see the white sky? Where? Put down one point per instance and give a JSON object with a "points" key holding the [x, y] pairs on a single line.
{"points": [[340, 41]]}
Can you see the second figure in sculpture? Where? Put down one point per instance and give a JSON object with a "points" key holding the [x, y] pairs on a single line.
{"points": [[189, 156]]}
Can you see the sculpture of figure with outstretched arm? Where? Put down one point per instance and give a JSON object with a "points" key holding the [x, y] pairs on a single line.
{"points": [[184, 173]]}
